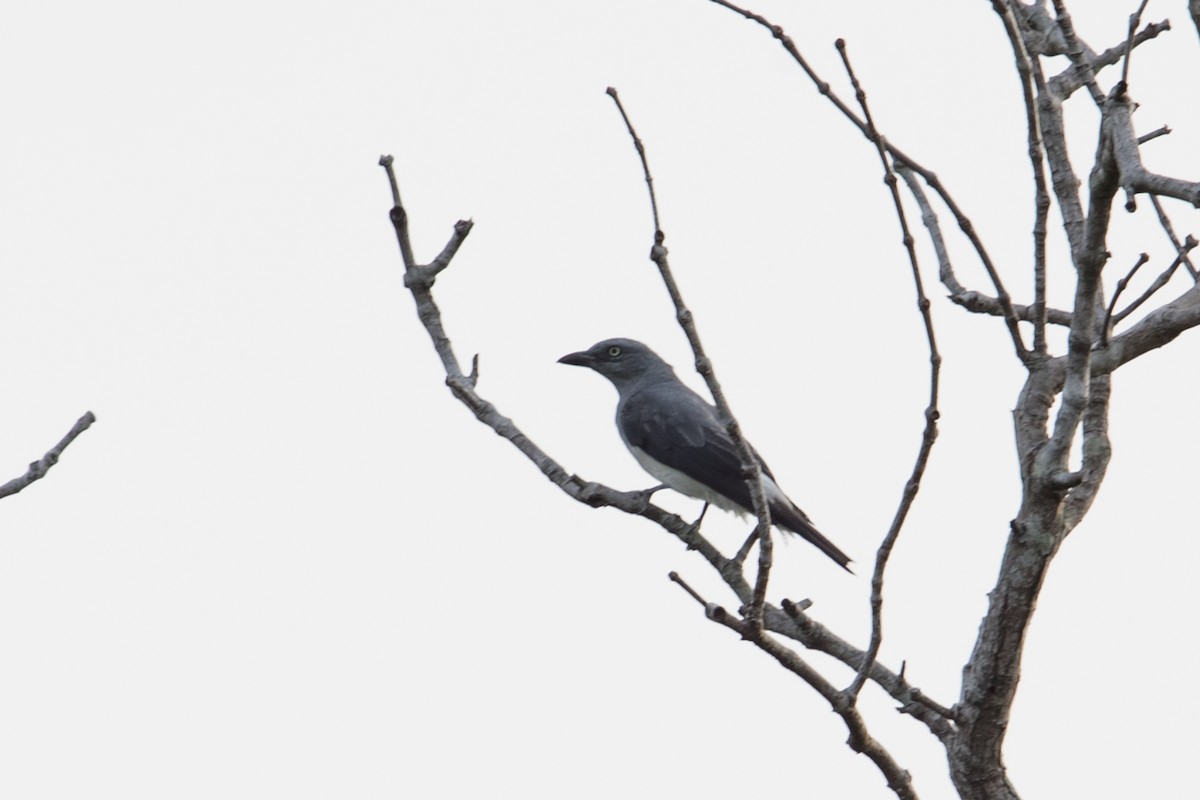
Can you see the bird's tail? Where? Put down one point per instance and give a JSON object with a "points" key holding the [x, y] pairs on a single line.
{"points": [[793, 520]]}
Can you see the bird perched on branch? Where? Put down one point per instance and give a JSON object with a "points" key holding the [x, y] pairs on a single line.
{"points": [[678, 438]]}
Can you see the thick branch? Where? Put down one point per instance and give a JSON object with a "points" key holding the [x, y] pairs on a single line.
{"points": [[1134, 178], [1156, 329], [1052, 460], [38, 469], [1097, 451]]}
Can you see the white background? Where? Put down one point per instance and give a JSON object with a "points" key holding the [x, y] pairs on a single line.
{"points": [[286, 563]]}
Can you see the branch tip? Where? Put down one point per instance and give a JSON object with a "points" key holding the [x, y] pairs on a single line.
{"points": [[38, 469]]}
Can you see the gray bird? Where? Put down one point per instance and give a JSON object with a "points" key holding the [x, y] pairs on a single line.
{"points": [[677, 437]]}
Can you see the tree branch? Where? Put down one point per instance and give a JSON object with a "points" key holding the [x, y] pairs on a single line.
{"points": [[1133, 177], [1052, 460], [419, 280], [1041, 196], [1070, 80], [1156, 329], [38, 469], [1158, 282], [749, 464], [860, 741], [1165, 221], [929, 435], [964, 222], [972, 301], [1081, 57], [1097, 451]]}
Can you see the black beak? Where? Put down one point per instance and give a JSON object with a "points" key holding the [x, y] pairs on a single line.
{"points": [[580, 359]]}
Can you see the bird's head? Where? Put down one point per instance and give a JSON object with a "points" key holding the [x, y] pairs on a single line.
{"points": [[622, 361]]}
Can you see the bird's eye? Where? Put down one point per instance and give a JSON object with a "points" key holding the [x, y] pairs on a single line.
{"points": [[614, 351]]}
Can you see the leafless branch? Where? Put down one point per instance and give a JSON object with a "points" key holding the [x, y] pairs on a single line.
{"points": [[637, 503], [1157, 284], [983, 304], [861, 741], [749, 464], [1135, 19], [795, 624], [1079, 56], [38, 469], [1121, 284], [1161, 326], [931, 178], [419, 280], [1097, 451], [1165, 221], [1154, 134], [1103, 183], [1134, 178], [1050, 122], [1041, 195], [913, 485], [1070, 80], [972, 301]]}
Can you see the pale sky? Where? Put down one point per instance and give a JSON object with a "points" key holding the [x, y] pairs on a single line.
{"points": [[285, 562]]}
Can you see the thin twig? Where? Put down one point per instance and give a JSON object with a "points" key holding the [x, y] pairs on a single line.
{"points": [[931, 412], [1157, 284], [1121, 284], [1065, 83], [641, 151], [1041, 195], [1135, 19], [674, 576], [972, 301], [751, 471], [1165, 221], [1154, 134], [1133, 177], [860, 741], [37, 470], [931, 178]]}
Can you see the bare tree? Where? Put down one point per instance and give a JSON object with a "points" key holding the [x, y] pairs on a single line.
{"points": [[1103, 334]]}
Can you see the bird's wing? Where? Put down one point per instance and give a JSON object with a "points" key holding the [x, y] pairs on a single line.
{"points": [[676, 427]]}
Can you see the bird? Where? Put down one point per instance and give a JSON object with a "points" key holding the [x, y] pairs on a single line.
{"points": [[677, 436]]}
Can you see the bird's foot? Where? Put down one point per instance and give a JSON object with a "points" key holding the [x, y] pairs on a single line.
{"points": [[694, 528], [642, 498]]}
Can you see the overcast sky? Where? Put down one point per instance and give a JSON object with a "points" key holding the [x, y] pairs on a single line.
{"points": [[286, 563]]}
